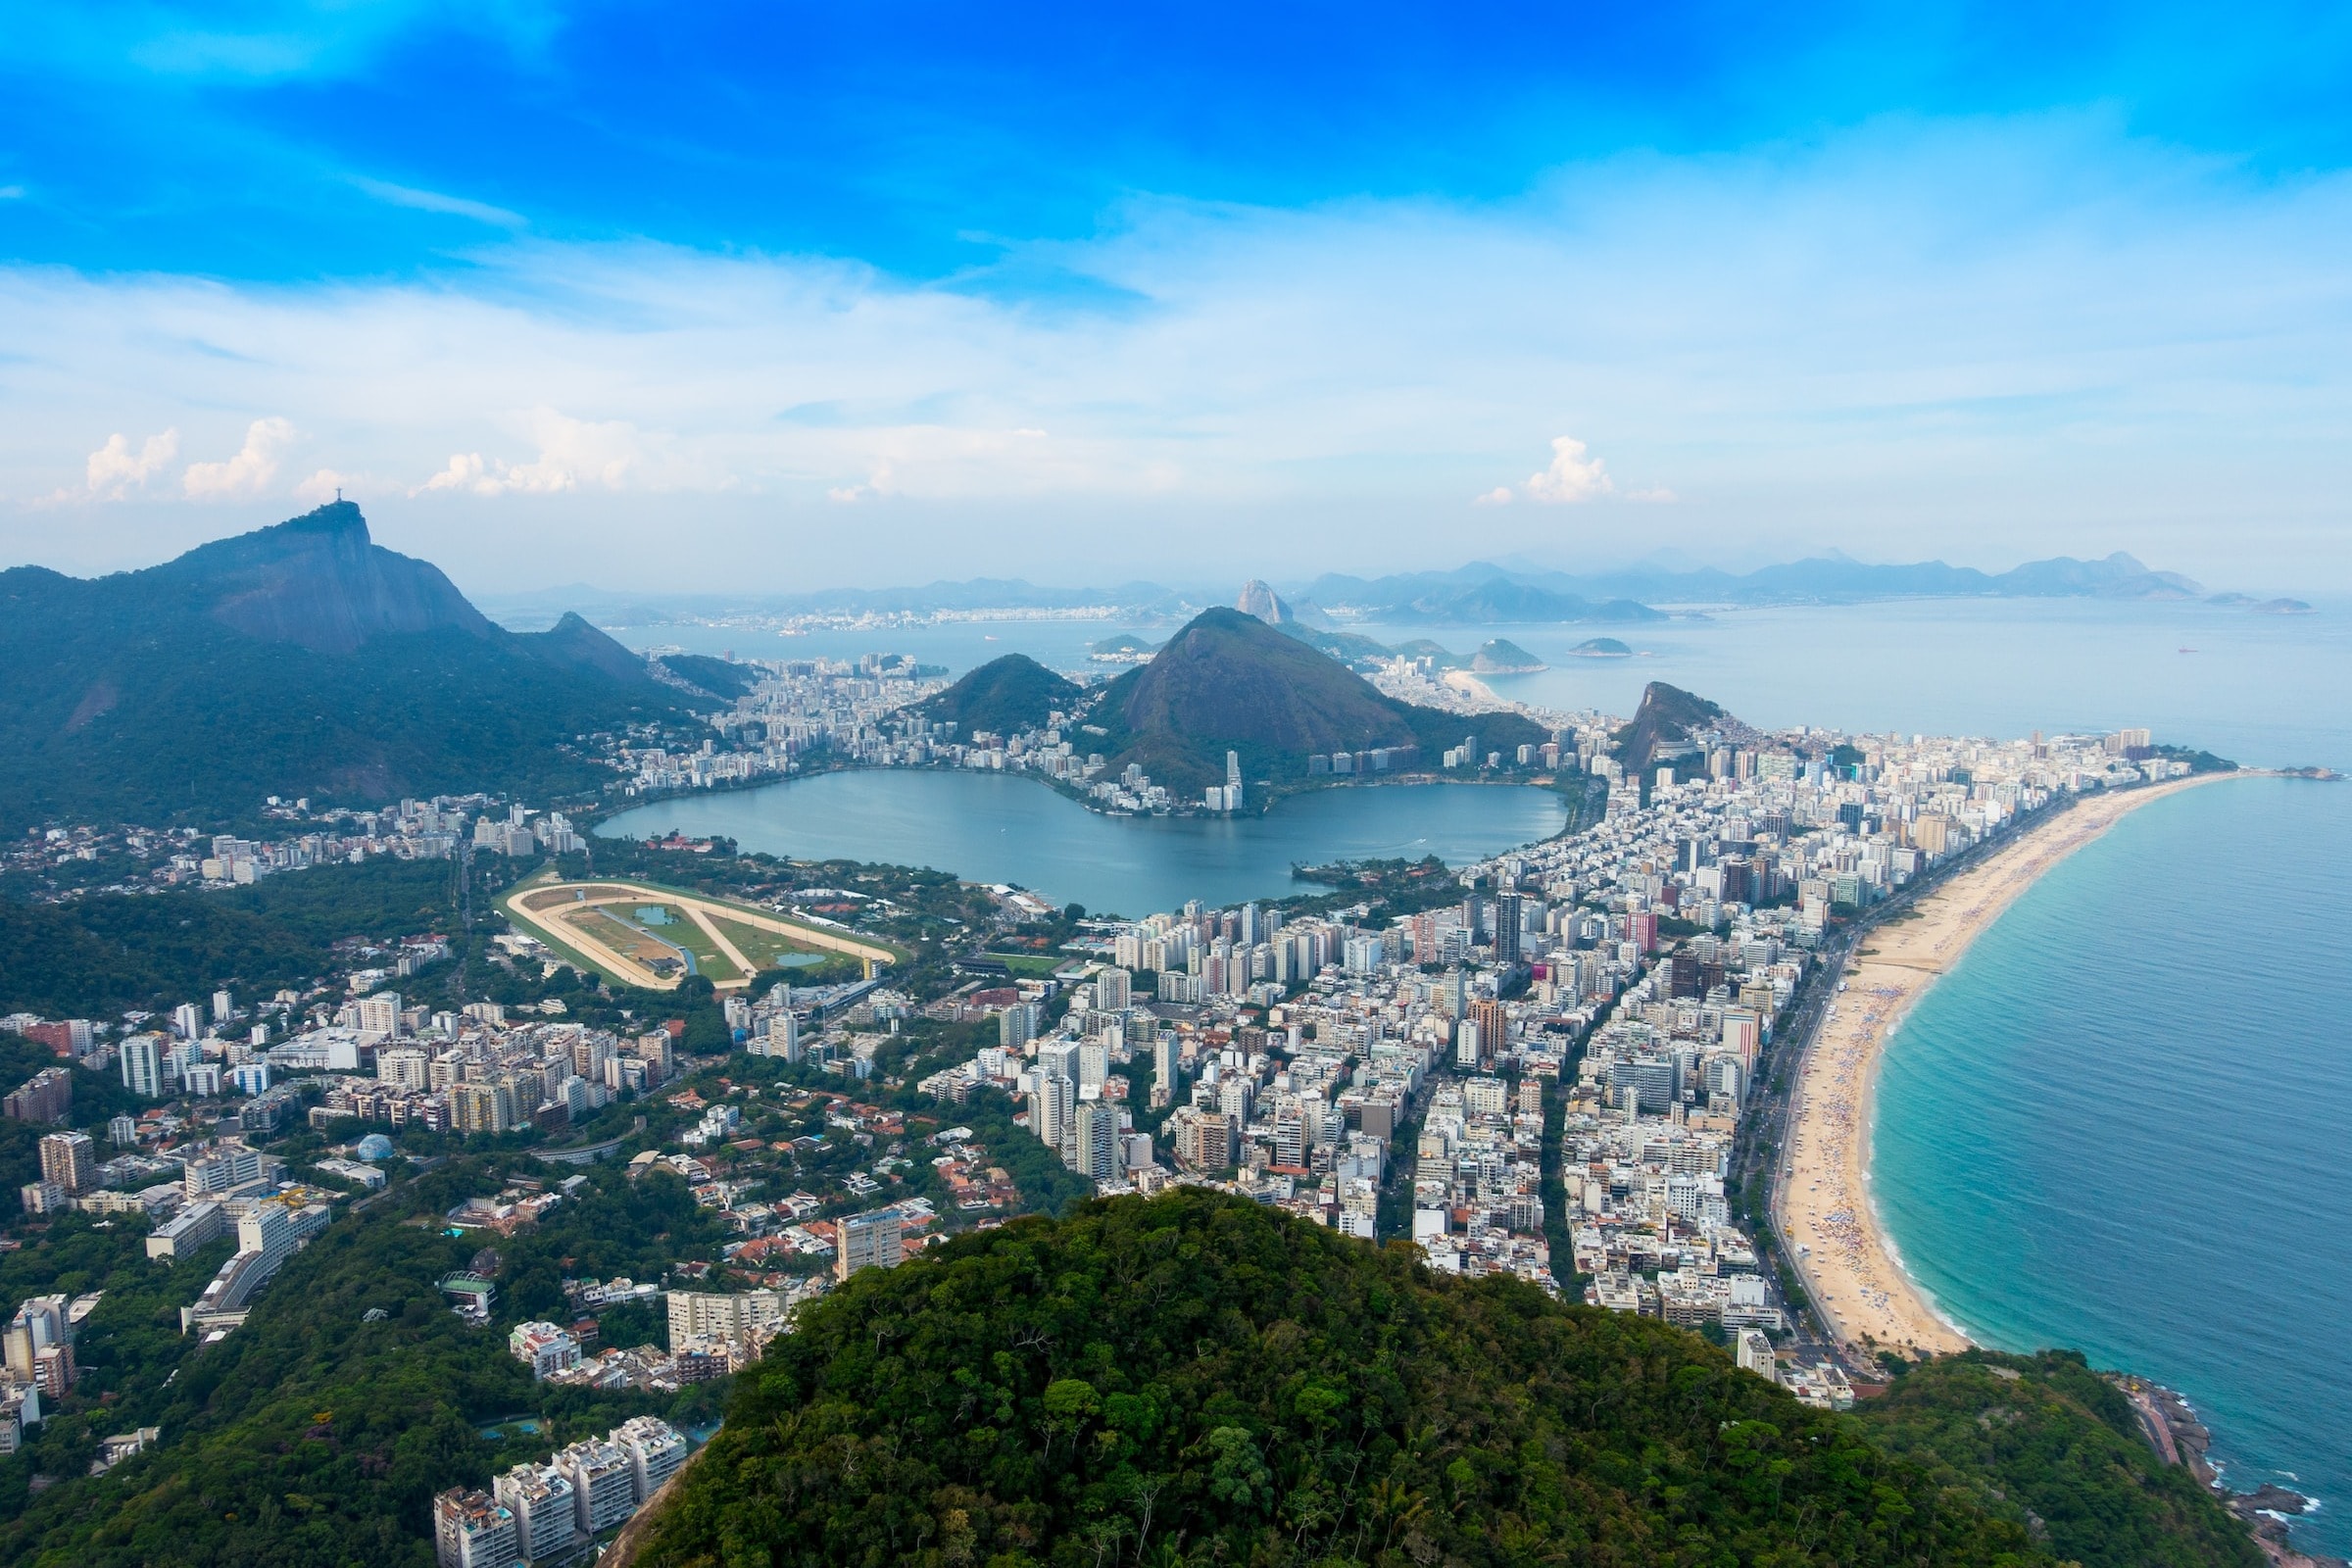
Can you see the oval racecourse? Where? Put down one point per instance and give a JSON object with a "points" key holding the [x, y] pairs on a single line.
{"points": [[643, 935]]}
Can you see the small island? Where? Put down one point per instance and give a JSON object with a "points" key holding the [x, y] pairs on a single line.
{"points": [[1502, 657], [1601, 648]]}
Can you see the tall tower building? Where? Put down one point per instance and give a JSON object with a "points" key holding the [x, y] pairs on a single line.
{"points": [[870, 1241], [142, 1062], [71, 1160], [1507, 929]]}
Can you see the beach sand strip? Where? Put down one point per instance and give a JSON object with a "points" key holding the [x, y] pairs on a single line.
{"points": [[1823, 1195]]}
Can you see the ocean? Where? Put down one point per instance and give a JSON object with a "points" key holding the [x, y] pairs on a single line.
{"points": [[2119, 1125]]}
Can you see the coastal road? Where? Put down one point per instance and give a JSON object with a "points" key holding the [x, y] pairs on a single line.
{"points": [[1765, 1124]]}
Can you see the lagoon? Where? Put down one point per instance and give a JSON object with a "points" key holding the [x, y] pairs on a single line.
{"points": [[988, 827]]}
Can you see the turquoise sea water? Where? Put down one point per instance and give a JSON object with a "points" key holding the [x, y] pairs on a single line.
{"points": [[2121, 1124], [989, 827]]}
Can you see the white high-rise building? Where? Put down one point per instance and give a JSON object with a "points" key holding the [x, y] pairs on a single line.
{"points": [[870, 1241], [1097, 1141], [473, 1529], [379, 1015], [654, 1450], [783, 1038], [715, 1315], [604, 1484], [541, 1497]]}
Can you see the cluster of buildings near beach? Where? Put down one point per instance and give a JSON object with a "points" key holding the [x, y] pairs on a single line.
{"points": [[1639, 968]]}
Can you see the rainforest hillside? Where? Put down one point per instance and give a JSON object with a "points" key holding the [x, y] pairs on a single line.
{"points": [[1193, 1378]]}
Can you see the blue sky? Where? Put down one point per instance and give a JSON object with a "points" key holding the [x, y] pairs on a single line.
{"points": [[661, 295]]}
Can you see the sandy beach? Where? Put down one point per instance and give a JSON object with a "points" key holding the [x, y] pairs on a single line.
{"points": [[1824, 1199]]}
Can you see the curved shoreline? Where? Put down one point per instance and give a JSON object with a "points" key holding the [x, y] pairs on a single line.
{"points": [[1821, 1200]]}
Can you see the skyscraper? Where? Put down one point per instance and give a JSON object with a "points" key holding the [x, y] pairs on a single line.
{"points": [[1097, 1140], [71, 1160], [1115, 991], [1493, 1029], [142, 1061], [1507, 929], [870, 1241]]}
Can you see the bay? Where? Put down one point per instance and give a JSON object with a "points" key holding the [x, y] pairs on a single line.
{"points": [[989, 827]]}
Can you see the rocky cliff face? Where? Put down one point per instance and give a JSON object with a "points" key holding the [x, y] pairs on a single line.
{"points": [[318, 581], [1257, 599], [1667, 715]]}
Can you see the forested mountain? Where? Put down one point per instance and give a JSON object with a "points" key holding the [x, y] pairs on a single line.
{"points": [[301, 659], [1004, 696], [2054, 1446], [1230, 682], [1195, 1379]]}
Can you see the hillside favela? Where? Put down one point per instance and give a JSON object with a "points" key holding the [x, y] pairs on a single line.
{"points": [[1181, 788]]}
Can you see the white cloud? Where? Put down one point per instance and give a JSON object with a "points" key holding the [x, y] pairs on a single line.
{"points": [[113, 472], [573, 454], [1500, 496], [1572, 476], [433, 201], [250, 471], [1985, 341], [467, 473], [327, 485]]}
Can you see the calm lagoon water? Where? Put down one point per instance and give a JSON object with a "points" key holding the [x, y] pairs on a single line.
{"points": [[988, 827]]}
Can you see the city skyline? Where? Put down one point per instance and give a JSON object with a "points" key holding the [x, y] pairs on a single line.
{"points": [[558, 300]]}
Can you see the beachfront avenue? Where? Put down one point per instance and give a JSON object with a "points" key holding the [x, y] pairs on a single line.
{"points": [[1552, 1072]]}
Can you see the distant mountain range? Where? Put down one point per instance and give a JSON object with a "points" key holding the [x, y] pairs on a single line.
{"points": [[1484, 593], [1481, 593], [300, 659]]}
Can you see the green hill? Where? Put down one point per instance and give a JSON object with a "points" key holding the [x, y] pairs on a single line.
{"points": [[1667, 716], [1195, 1379], [722, 678], [298, 660], [1502, 657], [1230, 682], [2048, 1443], [1004, 696]]}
